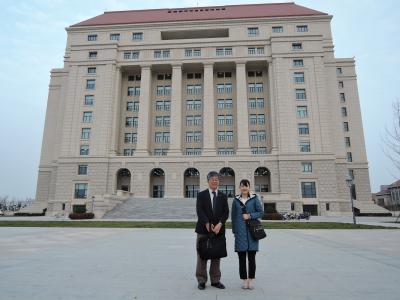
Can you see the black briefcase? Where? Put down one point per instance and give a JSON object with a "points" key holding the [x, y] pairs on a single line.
{"points": [[212, 247]]}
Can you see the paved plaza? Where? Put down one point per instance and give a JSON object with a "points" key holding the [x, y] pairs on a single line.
{"points": [[98, 263]]}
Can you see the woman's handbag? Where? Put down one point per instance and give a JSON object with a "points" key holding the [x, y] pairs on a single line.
{"points": [[256, 229], [212, 247]]}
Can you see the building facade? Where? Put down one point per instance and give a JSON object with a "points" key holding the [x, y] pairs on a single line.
{"points": [[148, 102]]}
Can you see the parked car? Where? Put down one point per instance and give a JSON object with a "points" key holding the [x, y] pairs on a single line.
{"points": [[1, 213]]}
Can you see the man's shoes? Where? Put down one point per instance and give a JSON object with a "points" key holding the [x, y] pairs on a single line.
{"points": [[201, 286], [218, 285]]}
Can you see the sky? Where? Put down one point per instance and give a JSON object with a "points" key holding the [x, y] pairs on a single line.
{"points": [[33, 39]]}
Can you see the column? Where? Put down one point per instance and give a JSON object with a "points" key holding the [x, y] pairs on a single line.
{"points": [[242, 114], [142, 147], [208, 111], [175, 144], [272, 110], [114, 145]]}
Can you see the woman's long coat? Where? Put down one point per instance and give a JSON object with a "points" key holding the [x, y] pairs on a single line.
{"points": [[243, 239]]}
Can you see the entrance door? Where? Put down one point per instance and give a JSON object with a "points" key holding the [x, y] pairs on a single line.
{"points": [[311, 208]]}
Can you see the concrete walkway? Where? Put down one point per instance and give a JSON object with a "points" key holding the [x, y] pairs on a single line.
{"points": [[93, 263]]}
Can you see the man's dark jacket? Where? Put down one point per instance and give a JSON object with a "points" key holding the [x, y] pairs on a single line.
{"points": [[205, 211]]}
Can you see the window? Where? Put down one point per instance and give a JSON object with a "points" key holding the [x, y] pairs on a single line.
{"points": [[224, 88], [346, 126], [158, 121], [114, 36], [344, 112], [262, 136], [85, 134], [303, 128], [302, 28], [131, 55], [228, 119], [84, 150], [298, 63], [253, 135], [92, 37], [197, 120], [221, 120], [192, 52], [261, 119], [304, 146], [160, 152], [193, 151], [137, 36], [301, 94], [342, 98], [306, 167], [162, 53], [189, 104], [260, 102], [302, 111], [166, 137], [80, 190], [277, 29], [253, 31], [297, 46], [347, 141], [223, 51], [129, 121], [255, 50], [298, 77], [91, 70], [224, 74], [252, 103], [340, 84], [349, 157], [130, 138], [132, 106], [308, 190], [253, 119], [327, 207], [228, 103], [82, 169], [90, 84], [259, 87], [92, 54], [166, 121], [225, 151], [89, 99], [158, 137], [129, 152], [133, 90], [87, 117], [136, 77], [339, 71], [351, 174]]}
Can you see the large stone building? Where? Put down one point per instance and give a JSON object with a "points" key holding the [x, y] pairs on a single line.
{"points": [[149, 101]]}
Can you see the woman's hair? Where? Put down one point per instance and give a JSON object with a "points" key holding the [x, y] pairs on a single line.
{"points": [[245, 182]]}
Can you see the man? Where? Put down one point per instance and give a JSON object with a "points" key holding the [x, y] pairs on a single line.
{"points": [[212, 212]]}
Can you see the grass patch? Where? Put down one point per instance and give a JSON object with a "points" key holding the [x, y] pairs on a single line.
{"points": [[181, 224]]}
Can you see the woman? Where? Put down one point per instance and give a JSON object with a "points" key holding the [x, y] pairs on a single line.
{"points": [[245, 206]]}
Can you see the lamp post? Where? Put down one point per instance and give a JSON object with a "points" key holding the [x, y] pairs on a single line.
{"points": [[349, 182], [92, 204]]}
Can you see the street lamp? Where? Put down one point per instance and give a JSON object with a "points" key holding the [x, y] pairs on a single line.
{"points": [[349, 182], [92, 204]]}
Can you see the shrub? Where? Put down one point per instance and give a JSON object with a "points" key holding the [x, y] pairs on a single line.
{"points": [[272, 216], [80, 216]]}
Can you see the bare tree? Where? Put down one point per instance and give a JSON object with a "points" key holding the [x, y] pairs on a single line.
{"points": [[392, 137]]}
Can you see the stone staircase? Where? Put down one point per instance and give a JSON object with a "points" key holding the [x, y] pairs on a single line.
{"points": [[36, 207], [154, 208], [369, 208]]}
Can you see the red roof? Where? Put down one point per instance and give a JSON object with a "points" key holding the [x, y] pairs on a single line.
{"points": [[201, 13]]}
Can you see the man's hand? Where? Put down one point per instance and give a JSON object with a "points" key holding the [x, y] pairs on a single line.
{"points": [[217, 228], [246, 216]]}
